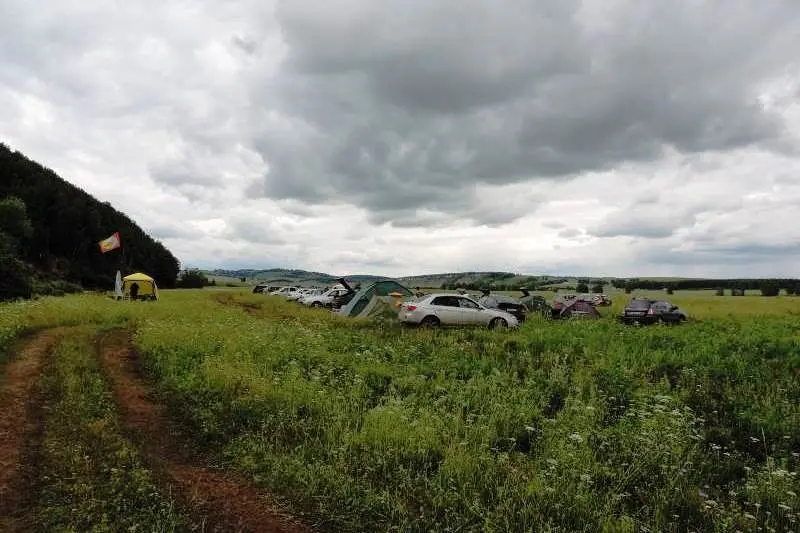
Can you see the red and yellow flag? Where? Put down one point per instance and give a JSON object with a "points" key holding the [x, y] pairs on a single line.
{"points": [[111, 243]]}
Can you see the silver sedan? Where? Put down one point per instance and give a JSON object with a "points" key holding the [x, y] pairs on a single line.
{"points": [[453, 310]]}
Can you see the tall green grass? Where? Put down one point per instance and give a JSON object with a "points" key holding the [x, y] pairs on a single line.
{"points": [[560, 426]]}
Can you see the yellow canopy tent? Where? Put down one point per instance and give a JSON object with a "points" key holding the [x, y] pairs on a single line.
{"points": [[146, 286]]}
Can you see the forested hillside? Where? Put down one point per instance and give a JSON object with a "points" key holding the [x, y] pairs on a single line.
{"points": [[66, 225]]}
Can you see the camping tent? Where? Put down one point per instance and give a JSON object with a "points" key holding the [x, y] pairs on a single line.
{"points": [[375, 298], [573, 308], [148, 289]]}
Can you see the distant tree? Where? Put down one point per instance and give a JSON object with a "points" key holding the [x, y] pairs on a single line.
{"points": [[243, 280], [791, 290], [192, 279], [582, 287], [769, 288], [213, 283], [719, 292], [670, 290], [597, 288]]}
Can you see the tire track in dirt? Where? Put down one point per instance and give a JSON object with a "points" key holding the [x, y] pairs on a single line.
{"points": [[222, 501], [17, 421]]}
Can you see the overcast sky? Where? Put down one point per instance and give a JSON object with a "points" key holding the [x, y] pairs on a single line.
{"points": [[599, 137]]}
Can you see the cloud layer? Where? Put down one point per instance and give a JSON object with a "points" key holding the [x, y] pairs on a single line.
{"points": [[360, 135]]}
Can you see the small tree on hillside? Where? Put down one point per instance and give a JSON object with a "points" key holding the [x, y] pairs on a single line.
{"points": [[582, 287], [597, 288]]}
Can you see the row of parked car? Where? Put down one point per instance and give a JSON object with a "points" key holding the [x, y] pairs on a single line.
{"points": [[488, 309], [331, 297]]}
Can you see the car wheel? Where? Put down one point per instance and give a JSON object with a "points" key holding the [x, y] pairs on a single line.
{"points": [[498, 323], [429, 322], [316, 304]]}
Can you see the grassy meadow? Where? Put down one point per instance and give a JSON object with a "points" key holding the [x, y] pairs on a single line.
{"points": [[559, 426]]}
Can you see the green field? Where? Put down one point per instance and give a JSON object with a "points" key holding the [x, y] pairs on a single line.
{"points": [[559, 426]]}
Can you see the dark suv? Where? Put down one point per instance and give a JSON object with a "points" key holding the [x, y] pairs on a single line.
{"points": [[645, 311], [504, 303]]}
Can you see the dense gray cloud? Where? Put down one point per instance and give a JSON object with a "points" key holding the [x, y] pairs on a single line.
{"points": [[403, 136], [402, 105]]}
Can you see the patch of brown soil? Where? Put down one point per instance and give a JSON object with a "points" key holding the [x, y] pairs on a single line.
{"points": [[222, 501], [17, 420]]}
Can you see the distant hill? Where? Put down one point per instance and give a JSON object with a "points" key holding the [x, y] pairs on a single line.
{"points": [[67, 223], [499, 280], [455, 279], [502, 281], [283, 275]]}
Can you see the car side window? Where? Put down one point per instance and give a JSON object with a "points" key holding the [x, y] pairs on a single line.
{"points": [[467, 304], [446, 301]]}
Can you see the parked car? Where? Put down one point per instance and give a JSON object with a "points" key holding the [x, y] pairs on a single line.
{"points": [[308, 293], [343, 299], [646, 311], [298, 294], [261, 287], [264, 288], [323, 299], [504, 303], [283, 291], [443, 309]]}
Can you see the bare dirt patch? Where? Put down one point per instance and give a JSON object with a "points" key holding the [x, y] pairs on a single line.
{"points": [[221, 501], [17, 421]]}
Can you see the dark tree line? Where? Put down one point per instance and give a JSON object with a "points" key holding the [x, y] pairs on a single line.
{"points": [[193, 278], [67, 223], [767, 286]]}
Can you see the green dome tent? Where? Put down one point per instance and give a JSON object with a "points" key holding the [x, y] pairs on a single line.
{"points": [[375, 298]]}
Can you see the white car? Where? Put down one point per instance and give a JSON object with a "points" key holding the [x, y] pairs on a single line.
{"points": [[302, 293], [453, 310], [283, 291], [324, 299]]}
